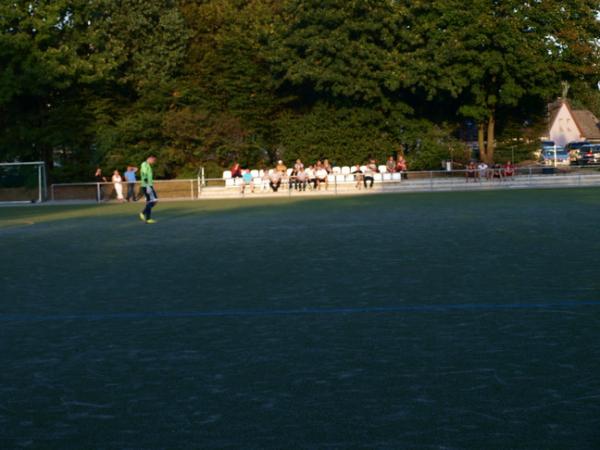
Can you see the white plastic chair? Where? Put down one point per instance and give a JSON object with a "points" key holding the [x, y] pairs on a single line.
{"points": [[254, 173], [229, 182], [382, 169], [387, 176], [260, 184], [346, 170], [226, 174], [397, 176], [336, 170]]}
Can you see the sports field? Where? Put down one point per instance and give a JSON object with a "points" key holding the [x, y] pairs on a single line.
{"points": [[415, 321]]}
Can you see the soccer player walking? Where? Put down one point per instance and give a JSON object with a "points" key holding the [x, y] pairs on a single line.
{"points": [[147, 180]]}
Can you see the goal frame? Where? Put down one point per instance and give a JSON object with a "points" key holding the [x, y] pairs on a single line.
{"points": [[41, 175]]}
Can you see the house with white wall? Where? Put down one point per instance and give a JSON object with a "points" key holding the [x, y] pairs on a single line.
{"points": [[570, 125]]}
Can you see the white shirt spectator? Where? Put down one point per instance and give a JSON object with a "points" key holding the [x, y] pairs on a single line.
{"points": [[370, 170], [482, 168]]}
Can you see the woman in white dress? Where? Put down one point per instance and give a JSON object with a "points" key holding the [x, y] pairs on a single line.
{"points": [[117, 182]]}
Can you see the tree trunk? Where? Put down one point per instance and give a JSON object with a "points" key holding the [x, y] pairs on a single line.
{"points": [[481, 140], [491, 138]]}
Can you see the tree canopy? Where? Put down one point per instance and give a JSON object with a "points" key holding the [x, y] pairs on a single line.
{"points": [[86, 82]]}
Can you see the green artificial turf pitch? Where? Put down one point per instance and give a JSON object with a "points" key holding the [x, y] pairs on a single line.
{"points": [[435, 321]]}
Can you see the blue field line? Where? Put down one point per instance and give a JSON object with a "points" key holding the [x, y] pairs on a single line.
{"points": [[295, 312]]}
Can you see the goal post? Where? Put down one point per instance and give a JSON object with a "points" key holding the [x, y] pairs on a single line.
{"points": [[22, 182]]}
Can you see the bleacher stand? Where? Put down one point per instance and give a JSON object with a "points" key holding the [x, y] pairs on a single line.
{"points": [[339, 176]]}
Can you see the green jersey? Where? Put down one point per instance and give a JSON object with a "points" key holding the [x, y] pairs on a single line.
{"points": [[146, 175]]}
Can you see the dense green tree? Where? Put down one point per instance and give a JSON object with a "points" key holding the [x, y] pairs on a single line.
{"points": [[206, 82], [48, 50], [71, 70], [340, 49], [338, 65], [493, 55], [343, 135], [586, 95], [133, 104], [228, 79]]}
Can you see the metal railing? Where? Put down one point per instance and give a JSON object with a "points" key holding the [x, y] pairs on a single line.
{"points": [[187, 189], [412, 181]]}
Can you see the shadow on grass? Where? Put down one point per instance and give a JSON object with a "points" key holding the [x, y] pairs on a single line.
{"points": [[29, 215]]}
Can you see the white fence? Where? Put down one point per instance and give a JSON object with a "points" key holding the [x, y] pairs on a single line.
{"points": [[338, 184]]}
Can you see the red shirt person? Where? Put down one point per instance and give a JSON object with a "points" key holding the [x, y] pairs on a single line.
{"points": [[401, 164], [236, 170]]}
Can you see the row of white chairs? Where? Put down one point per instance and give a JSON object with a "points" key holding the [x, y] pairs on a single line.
{"points": [[332, 179], [345, 170]]}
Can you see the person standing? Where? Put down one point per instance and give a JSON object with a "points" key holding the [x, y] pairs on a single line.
{"points": [[147, 180], [99, 180], [471, 172], [482, 170], [130, 178], [117, 183], [509, 169], [98, 176]]}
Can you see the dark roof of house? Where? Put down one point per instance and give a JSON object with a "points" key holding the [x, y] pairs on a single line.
{"points": [[587, 123]]}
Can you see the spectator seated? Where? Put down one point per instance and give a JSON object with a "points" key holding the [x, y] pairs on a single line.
{"points": [[316, 177]]}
